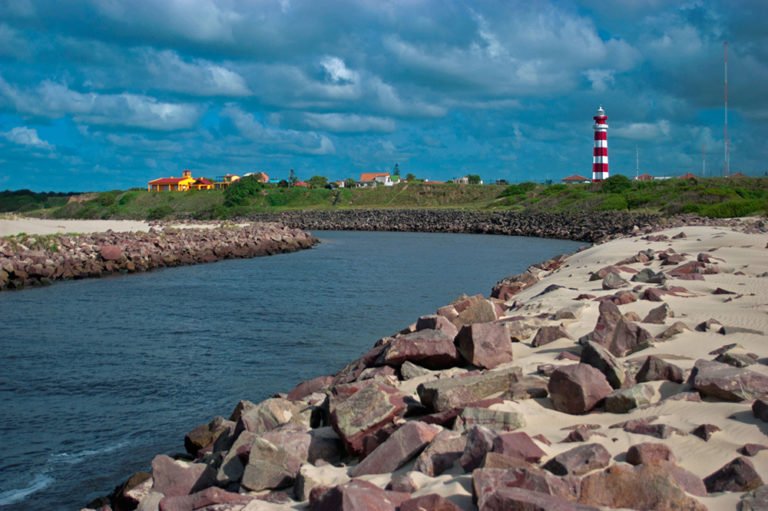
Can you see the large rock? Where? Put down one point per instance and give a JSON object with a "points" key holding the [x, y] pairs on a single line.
{"points": [[270, 414], [728, 383], [508, 499], [498, 420], [363, 413], [405, 443], [658, 315], [613, 281], [475, 309], [233, 464], [305, 388], [479, 442], [737, 475], [760, 409], [429, 502], [624, 400], [205, 435], [486, 481], [208, 498], [655, 368], [756, 500], [175, 477], [269, 467], [358, 495], [445, 394], [433, 349], [579, 460], [640, 487], [485, 345], [601, 359], [311, 477], [577, 388], [518, 445], [307, 445], [440, 455], [616, 334], [436, 322], [649, 453], [548, 334], [111, 252]]}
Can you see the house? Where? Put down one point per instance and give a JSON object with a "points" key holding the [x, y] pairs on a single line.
{"points": [[202, 183], [644, 177], [738, 175], [261, 177], [368, 179], [464, 180], [688, 175], [575, 179], [301, 184], [226, 180], [433, 182], [172, 184]]}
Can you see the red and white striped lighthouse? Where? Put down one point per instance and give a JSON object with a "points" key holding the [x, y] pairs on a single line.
{"points": [[600, 151]]}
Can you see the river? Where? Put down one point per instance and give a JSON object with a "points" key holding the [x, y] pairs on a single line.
{"points": [[98, 376]]}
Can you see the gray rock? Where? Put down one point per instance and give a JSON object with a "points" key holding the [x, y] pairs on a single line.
{"points": [[579, 460], [625, 400], [601, 359], [444, 394]]}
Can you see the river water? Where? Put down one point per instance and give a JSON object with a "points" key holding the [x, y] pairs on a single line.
{"points": [[98, 376]]}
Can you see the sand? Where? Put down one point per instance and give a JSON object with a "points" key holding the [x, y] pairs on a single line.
{"points": [[12, 225]]}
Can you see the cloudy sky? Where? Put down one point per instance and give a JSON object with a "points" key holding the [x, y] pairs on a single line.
{"points": [[107, 94]]}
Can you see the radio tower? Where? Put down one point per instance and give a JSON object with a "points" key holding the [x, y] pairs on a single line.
{"points": [[727, 162], [600, 151], [703, 160]]}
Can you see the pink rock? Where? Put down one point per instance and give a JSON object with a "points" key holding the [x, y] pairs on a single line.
{"points": [[577, 388], [518, 445], [486, 481], [404, 444], [506, 499], [548, 334], [655, 368], [616, 334], [485, 345], [579, 460], [737, 475], [649, 453], [429, 502], [479, 442], [365, 412], [176, 478], [728, 383], [440, 455], [437, 322], [433, 349], [208, 497], [357, 495], [308, 387], [111, 252]]}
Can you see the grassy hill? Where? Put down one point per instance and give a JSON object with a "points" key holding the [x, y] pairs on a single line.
{"points": [[713, 197]]}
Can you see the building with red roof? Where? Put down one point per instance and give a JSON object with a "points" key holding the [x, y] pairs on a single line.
{"points": [[576, 178], [172, 184]]}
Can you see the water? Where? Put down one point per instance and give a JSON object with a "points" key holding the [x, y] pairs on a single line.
{"points": [[98, 376]]}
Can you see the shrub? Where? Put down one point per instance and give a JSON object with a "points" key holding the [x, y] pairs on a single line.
{"points": [[159, 212], [616, 184], [554, 189], [127, 198], [613, 202], [733, 208], [107, 198], [518, 189], [238, 193]]}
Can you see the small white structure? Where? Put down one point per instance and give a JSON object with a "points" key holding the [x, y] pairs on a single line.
{"points": [[369, 179]]}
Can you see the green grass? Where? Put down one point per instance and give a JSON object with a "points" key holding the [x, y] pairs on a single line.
{"points": [[713, 197]]}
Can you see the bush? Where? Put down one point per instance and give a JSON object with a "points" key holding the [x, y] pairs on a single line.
{"points": [[616, 184], [733, 208], [238, 193], [554, 189], [614, 202], [159, 212], [518, 189]]}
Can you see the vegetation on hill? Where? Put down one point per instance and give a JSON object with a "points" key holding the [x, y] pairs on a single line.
{"points": [[712, 197]]}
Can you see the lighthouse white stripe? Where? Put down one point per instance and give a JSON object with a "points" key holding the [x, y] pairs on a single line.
{"points": [[600, 159], [601, 143]]}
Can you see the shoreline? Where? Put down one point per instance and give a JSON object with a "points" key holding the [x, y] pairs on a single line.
{"points": [[31, 260], [471, 402]]}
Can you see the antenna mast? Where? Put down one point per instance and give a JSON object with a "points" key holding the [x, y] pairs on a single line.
{"points": [[726, 163], [637, 163], [703, 160]]}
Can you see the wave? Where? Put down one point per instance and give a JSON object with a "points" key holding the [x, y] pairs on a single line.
{"points": [[40, 482], [73, 458]]}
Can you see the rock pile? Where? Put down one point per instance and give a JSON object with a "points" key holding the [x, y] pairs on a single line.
{"points": [[451, 402], [39, 260]]}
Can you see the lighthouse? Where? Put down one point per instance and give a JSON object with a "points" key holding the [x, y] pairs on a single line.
{"points": [[600, 151]]}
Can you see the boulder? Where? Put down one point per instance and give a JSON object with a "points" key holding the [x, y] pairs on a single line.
{"points": [[548, 334], [617, 335], [649, 453], [305, 388], [205, 435], [518, 445], [307, 445], [640, 487], [728, 383], [737, 475], [572, 312], [445, 394], [655, 368], [111, 252], [440, 455], [433, 349], [625, 400], [269, 467], [311, 477], [486, 481], [214, 497], [475, 309], [485, 345], [614, 281], [737, 356], [496, 420], [601, 359], [175, 477], [577, 388], [647, 275], [269, 414], [659, 314], [579, 460], [479, 442], [404, 444], [437, 322], [505, 499], [132, 491], [357, 495], [760, 409], [752, 449], [756, 500], [235, 459], [705, 431], [430, 502], [678, 327], [644, 427], [363, 413], [409, 371]]}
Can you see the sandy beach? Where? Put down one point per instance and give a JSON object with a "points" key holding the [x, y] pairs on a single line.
{"points": [[728, 287], [12, 225]]}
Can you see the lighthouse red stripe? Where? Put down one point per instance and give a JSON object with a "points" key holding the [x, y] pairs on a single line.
{"points": [[600, 151], [601, 135]]}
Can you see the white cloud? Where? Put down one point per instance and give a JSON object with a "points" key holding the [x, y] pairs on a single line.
{"points": [[27, 137], [337, 71], [601, 79], [349, 123], [200, 78], [51, 99], [642, 130]]}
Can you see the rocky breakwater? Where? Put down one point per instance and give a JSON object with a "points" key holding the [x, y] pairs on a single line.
{"points": [[589, 227], [27, 260], [617, 377]]}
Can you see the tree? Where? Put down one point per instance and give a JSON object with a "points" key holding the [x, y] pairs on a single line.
{"points": [[410, 177], [616, 184], [349, 183], [473, 179], [318, 181]]}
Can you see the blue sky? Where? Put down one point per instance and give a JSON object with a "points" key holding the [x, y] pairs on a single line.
{"points": [[107, 94]]}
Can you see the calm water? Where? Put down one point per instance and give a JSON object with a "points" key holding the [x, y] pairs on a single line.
{"points": [[98, 376]]}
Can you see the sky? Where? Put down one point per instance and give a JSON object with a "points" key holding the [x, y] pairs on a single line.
{"points": [[108, 94]]}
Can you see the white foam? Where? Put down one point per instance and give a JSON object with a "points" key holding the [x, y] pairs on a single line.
{"points": [[40, 482]]}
